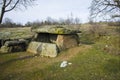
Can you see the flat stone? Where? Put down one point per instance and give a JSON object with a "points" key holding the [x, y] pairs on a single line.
{"points": [[44, 49], [54, 30], [13, 46]]}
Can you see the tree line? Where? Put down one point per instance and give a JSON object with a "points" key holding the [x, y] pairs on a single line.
{"points": [[7, 22]]}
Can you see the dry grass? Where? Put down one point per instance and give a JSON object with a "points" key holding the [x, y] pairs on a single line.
{"points": [[87, 63], [15, 33], [22, 64], [16, 29]]}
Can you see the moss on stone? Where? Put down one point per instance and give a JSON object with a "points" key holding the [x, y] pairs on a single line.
{"points": [[54, 30], [60, 31]]}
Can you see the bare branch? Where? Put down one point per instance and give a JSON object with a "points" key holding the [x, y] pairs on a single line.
{"points": [[104, 7], [8, 3], [13, 6]]}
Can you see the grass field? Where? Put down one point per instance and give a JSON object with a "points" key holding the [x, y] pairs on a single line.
{"points": [[89, 62], [15, 33]]}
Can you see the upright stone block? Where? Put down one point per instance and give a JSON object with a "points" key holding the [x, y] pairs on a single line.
{"points": [[49, 50], [44, 49], [34, 47]]}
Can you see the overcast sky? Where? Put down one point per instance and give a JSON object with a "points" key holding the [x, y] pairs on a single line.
{"points": [[51, 8]]}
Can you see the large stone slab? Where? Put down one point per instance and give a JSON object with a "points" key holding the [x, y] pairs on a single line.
{"points": [[66, 41], [33, 47], [54, 30], [13, 46], [44, 49], [49, 50]]}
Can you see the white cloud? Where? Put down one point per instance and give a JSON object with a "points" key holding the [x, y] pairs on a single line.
{"points": [[52, 8]]}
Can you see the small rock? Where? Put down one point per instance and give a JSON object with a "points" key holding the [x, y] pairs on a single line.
{"points": [[70, 63], [106, 46], [63, 64]]}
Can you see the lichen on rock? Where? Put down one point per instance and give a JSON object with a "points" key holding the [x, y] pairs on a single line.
{"points": [[43, 49], [54, 30]]}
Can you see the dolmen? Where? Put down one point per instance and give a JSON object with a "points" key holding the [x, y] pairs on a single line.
{"points": [[50, 40]]}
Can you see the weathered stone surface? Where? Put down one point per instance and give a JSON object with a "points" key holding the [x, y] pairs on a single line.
{"points": [[4, 49], [33, 47], [63, 41], [44, 49], [50, 40], [15, 43], [49, 50], [54, 30], [13, 46], [66, 41]]}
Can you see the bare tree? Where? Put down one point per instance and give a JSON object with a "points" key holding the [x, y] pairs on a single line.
{"points": [[9, 5], [77, 20], [102, 8]]}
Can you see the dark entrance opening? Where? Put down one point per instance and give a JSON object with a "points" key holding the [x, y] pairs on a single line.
{"points": [[46, 37], [43, 37]]}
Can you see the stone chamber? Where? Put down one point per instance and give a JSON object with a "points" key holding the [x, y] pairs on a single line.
{"points": [[47, 41]]}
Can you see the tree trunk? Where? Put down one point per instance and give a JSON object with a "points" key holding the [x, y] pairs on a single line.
{"points": [[2, 14], [1, 17]]}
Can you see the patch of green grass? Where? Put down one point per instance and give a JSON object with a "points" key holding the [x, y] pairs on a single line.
{"points": [[91, 65], [87, 64], [15, 33], [5, 57], [109, 44]]}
